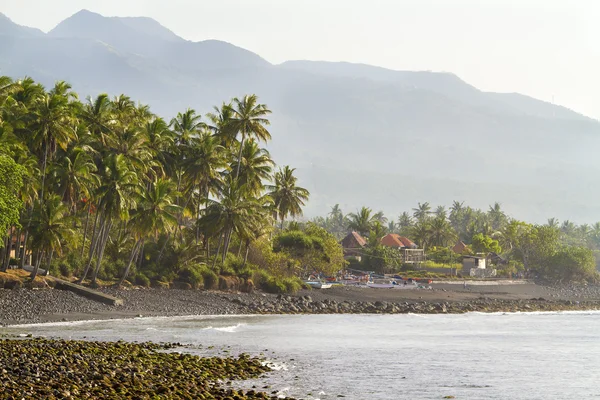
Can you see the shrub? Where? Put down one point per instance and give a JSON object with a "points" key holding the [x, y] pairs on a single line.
{"points": [[271, 284], [142, 280], [192, 275], [293, 284], [211, 280]]}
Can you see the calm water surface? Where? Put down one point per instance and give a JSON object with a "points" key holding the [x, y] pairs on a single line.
{"points": [[472, 356]]}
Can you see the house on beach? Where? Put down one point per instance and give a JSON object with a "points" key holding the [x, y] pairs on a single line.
{"points": [[411, 254], [353, 244]]}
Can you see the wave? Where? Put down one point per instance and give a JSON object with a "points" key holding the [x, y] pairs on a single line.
{"points": [[154, 318]]}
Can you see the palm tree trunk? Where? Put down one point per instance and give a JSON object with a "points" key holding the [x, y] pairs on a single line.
{"points": [[49, 261], [101, 251], [218, 249], [140, 258], [22, 263], [9, 247], [18, 246], [237, 172], [85, 229], [162, 250], [3, 255], [133, 254], [226, 244], [44, 172], [38, 261], [93, 246], [246, 255]]}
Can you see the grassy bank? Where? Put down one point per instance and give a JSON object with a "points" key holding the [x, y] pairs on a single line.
{"points": [[53, 369]]}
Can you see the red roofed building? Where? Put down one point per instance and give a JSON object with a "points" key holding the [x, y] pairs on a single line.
{"points": [[398, 242]]}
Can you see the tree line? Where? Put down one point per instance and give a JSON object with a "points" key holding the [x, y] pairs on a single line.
{"points": [[554, 250], [104, 188]]}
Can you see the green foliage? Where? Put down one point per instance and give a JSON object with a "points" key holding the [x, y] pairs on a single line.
{"points": [[194, 275], [142, 280], [211, 280], [443, 256], [484, 244], [315, 248], [571, 264], [11, 181], [381, 259]]}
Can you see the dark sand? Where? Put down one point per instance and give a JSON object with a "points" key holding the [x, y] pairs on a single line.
{"points": [[46, 305]]}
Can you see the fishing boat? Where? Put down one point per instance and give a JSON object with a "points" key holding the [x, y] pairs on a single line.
{"points": [[319, 284]]}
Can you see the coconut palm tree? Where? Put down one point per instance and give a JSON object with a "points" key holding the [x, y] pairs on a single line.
{"points": [[7, 88], [362, 221], [422, 211], [497, 216], [118, 184], [234, 212], [248, 119], [288, 198], [440, 233], [220, 121], [187, 126], [51, 228], [156, 213], [53, 125], [256, 167], [440, 212], [74, 176]]}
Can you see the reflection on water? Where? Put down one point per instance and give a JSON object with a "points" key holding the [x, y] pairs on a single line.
{"points": [[472, 356]]}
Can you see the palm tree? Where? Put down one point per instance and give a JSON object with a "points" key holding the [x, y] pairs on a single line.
{"points": [[7, 87], [422, 211], [154, 215], [361, 221], [234, 212], [497, 216], [248, 120], [288, 198], [53, 125], [74, 175], [440, 233], [440, 212], [50, 229], [187, 126], [256, 167], [221, 120], [118, 184]]}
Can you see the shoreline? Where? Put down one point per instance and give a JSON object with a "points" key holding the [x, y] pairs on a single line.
{"points": [[25, 306]]}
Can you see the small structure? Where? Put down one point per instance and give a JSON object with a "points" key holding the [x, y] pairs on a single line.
{"points": [[411, 254], [477, 266], [353, 244]]}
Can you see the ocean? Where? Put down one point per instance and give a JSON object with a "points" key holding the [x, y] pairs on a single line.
{"points": [[470, 356]]}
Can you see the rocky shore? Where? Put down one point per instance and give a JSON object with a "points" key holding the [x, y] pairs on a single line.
{"points": [[48, 305], [60, 369]]}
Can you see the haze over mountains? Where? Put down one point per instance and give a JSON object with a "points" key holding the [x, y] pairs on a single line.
{"points": [[358, 134]]}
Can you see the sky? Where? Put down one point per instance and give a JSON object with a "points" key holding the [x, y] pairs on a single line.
{"points": [[541, 48]]}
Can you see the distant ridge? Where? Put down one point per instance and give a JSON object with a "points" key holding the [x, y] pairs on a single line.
{"points": [[359, 134]]}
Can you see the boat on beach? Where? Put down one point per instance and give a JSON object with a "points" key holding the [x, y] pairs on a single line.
{"points": [[319, 284]]}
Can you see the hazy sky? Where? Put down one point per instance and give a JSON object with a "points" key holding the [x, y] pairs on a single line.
{"points": [[542, 48]]}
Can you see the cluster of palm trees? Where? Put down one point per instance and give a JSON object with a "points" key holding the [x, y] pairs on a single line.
{"points": [[442, 227], [107, 173]]}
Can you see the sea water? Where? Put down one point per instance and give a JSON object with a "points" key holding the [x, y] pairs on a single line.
{"points": [[470, 356]]}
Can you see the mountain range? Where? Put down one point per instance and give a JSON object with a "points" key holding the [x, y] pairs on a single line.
{"points": [[358, 134]]}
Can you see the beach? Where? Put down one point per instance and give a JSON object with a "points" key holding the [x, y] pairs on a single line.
{"points": [[22, 306]]}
